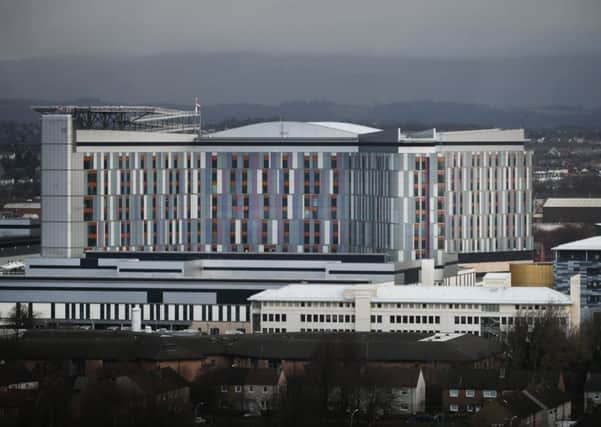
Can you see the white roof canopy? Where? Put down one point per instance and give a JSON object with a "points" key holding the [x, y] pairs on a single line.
{"points": [[388, 292], [286, 129]]}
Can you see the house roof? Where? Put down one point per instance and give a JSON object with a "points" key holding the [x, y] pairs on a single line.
{"points": [[158, 381], [593, 382], [519, 404], [393, 376], [494, 379], [549, 396], [247, 376], [589, 244]]}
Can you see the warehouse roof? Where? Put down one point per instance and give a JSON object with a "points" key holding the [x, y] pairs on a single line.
{"points": [[128, 346], [572, 203], [589, 244], [388, 292]]}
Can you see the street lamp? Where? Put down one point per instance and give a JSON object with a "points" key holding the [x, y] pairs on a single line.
{"points": [[352, 415]]}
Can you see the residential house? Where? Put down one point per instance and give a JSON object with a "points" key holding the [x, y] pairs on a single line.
{"points": [[388, 390], [162, 386], [556, 403], [539, 405], [249, 389], [466, 391], [510, 410]]}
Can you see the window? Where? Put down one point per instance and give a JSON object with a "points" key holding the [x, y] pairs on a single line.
{"points": [[238, 389], [265, 389], [470, 393], [223, 389], [489, 394], [251, 389], [470, 408], [453, 393], [453, 408]]}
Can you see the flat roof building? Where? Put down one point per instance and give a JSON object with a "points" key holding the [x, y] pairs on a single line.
{"points": [[483, 310], [572, 210]]}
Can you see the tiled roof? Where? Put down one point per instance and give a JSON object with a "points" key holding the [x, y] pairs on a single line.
{"points": [[519, 404], [247, 376]]}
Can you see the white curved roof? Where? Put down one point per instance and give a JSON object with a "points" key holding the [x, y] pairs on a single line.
{"points": [[348, 127], [589, 244], [287, 129]]}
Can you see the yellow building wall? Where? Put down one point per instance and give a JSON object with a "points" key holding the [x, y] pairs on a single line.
{"points": [[531, 275]]}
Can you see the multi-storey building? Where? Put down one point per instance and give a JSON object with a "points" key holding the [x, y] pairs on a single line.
{"points": [[196, 223], [284, 187], [483, 310], [581, 257]]}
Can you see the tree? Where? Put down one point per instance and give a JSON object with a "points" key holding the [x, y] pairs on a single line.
{"points": [[21, 317], [541, 341]]}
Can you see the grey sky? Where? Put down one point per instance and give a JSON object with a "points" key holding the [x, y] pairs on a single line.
{"points": [[423, 28]]}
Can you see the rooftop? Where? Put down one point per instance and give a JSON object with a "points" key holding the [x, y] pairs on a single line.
{"points": [[588, 244], [294, 130], [388, 292], [127, 117], [519, 404], [572, 203], [124, 346], [247, 376]]}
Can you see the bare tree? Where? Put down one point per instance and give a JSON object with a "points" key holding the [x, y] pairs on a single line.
{"points": [[20, 318], [541, 340]]}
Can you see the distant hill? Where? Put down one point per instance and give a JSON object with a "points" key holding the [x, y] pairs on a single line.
{"points": [[408, 115]]}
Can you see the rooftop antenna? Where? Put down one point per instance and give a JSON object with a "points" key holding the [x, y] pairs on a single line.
{"points": [[198, 112], [283, 132]]}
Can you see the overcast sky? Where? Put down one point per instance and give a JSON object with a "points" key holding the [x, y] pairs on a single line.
{"points": [[422, 28]]}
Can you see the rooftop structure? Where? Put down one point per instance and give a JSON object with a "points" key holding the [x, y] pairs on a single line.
{"points": [[124, 117]]}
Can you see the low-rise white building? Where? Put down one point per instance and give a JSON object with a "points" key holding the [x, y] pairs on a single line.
{"points": [[482, 310]]}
